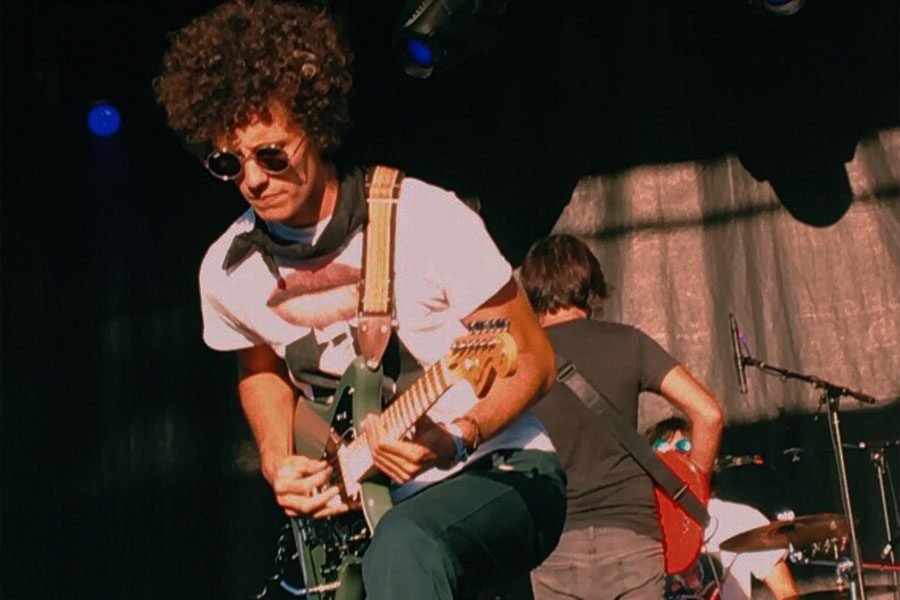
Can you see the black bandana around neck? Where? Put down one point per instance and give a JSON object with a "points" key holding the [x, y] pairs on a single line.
{"points": [[350, 213]]}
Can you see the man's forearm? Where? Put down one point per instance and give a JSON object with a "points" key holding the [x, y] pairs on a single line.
{"points": [[688, 395], [706, 433], [268, 405], [781, 582], [509, 397]]}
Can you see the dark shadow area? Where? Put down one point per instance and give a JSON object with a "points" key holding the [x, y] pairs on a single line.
{"points": [[121, 431]]}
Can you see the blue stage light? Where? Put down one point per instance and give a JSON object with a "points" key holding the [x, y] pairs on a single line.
{"points": [[419, 52], [103, 120], [440, 34]]}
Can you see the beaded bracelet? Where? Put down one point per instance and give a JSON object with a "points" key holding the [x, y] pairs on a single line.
{"points": [[475, 426]]}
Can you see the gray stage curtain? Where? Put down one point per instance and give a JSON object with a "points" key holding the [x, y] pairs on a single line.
{"points": [[687, 243]]}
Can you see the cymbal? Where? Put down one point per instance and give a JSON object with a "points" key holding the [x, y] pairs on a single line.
{"points": [[800, 532], [841, 593]]}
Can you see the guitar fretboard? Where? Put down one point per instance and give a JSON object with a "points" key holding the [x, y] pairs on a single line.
{"points": [[415, 401], [401, 415]]}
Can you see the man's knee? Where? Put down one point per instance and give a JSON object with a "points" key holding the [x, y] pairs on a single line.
{"points": [[402, 550]]}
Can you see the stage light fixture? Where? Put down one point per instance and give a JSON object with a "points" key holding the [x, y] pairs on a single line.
{"points": [[103, 120], [419, 52], [442, 33], [783, 8], [779, 8]]}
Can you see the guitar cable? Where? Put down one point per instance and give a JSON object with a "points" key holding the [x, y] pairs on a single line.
{"points": [[282, 556], [718, 592]]}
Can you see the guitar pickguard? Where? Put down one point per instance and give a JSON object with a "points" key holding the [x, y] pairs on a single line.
{"points": [[330, 550]]}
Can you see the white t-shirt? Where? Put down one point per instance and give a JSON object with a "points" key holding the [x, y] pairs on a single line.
{"points": [[446, 266], [726, 520]]}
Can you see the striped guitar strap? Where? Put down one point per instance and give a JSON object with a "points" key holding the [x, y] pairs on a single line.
{"points": [[376, 311]]}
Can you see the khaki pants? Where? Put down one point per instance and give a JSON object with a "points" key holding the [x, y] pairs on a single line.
{"points": [[599, 564]]}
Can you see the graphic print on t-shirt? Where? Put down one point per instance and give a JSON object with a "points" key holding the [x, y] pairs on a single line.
{"points": [[322, 299], [317, 298], [303, 358]]}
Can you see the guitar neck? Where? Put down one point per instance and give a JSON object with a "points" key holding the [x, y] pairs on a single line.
{"points": [[402, 414], [416, 400]]}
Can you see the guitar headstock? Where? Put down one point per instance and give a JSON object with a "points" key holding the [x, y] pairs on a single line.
{"points": [[487, 351]]}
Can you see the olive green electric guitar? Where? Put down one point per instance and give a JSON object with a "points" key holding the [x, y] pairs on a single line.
{"points": [[330, 550]]}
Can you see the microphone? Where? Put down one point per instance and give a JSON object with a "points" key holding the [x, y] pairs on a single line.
{"points": [[738, 355], [728, 461]]}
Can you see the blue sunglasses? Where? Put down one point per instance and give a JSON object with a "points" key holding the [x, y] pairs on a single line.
{"points": [[682, 445]]}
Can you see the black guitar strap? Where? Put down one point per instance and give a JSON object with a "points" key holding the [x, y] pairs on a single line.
{"points": [[567, 374]]}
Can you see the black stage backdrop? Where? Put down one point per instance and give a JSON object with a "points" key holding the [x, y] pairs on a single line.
{"points": [[127, 469]]}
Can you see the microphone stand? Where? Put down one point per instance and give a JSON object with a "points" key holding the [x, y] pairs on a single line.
{"points": [[879, 462], [831, 398], [881, 467]]}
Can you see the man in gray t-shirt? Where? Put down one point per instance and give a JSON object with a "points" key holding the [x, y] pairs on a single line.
{"points": [[611, 546]]}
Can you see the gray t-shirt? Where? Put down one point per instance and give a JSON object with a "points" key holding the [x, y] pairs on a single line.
{"points": [[606, 488]]}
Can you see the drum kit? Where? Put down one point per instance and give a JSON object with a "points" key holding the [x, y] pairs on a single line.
{"points": [[815, 540], [812, 540]]}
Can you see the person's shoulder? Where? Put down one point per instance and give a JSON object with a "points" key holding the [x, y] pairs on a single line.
{"points": [[632, 332], [413, 191], [611, 328], [211, 266], [433, 212], [416, 193], [739, 511], [606, 332]]}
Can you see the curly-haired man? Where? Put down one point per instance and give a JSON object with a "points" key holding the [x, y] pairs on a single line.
{"points": [[479, 496]]}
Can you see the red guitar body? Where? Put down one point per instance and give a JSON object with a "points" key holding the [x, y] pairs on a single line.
{"points": [[682, 535]]}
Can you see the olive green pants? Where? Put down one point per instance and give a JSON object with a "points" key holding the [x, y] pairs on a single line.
{"points": [[484, 527]]}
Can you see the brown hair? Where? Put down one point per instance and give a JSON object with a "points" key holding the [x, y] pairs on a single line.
{"points": [[560, 271], [225, 67]]}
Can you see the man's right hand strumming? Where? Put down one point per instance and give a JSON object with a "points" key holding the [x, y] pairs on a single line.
{"points": [[302, 487]]}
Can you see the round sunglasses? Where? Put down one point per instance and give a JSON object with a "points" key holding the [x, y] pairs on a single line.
{"points": [[227, 165]]}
